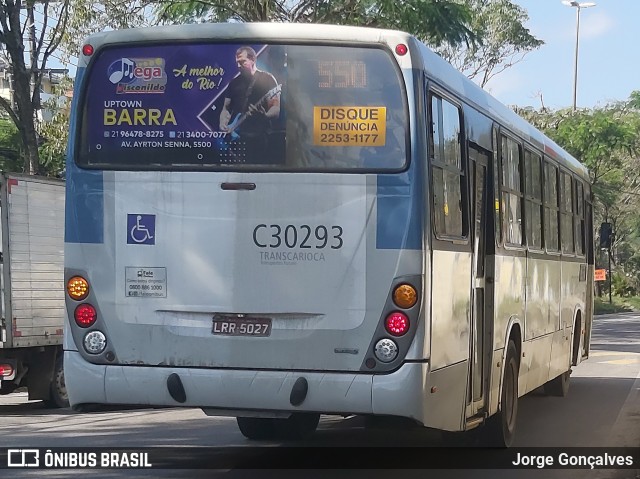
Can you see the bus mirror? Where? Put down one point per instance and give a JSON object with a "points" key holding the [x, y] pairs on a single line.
{"points": [[606, 235]]}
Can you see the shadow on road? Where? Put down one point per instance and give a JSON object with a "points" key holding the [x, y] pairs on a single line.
{"points": [[620, 333]]}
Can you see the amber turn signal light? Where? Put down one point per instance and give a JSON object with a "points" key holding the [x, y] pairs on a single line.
{"points": [[78, 288], [405, 296]]}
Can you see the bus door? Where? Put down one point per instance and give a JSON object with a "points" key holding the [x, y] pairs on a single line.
{"points": [[482, 234]]}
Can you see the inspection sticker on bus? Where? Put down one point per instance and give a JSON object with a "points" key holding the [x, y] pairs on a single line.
{"points": [[141, 282], [349, 125]]}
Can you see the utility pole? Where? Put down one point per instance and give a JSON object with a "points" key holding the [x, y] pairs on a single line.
{"points": [[610, 301], [578, 6], [607, 237]]}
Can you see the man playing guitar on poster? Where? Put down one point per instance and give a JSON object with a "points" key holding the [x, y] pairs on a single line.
{"points": [[252, 100]]}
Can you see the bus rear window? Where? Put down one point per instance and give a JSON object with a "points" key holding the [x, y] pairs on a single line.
{"points": [[243, 106]]}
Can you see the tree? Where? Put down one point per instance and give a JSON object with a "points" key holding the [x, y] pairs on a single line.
{"points": [[505, 40], [86, 18], [17, 20], [10, 159], [480, 37], [604, 139], [37, 28], [435, 21], [607, 141], [55, 132]]}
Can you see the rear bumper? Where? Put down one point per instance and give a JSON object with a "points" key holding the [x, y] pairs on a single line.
{"points": [[398, 394]]}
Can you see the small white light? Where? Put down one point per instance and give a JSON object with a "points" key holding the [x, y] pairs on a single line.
{"points": [[95, 342], [386, 350]]}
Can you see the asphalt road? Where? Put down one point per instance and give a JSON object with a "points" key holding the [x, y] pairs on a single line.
{"points": [[601, 410]]}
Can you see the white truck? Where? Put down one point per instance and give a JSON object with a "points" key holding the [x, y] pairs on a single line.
{"points": [[32, 287]]}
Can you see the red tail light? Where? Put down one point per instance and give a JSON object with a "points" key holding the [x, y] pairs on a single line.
{"points": [[6, 370], [397, 323], [85, 315], [401, 49]]}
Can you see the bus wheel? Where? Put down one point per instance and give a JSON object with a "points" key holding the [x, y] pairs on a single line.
{"points": [[558, 386], [58, 397], [256, 428], [501, 427], [297, 426]]}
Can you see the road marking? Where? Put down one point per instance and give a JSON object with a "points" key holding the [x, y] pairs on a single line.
{"points": [[621, 361], [608, 353]]}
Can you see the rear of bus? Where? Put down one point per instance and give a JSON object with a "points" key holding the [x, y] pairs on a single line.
{"points": [[204, 274]]}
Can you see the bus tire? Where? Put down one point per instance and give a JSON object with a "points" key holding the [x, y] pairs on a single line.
{"points": [[558, 386], [58, 397], [389, 422], [297, 426], [256, 428], [501, 427]]}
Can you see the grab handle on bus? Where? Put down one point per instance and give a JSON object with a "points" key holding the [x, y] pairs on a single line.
{"points": [[238, 186]]}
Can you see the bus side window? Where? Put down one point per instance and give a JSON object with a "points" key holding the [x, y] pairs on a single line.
{"points": [[533, 195], [566, 213], [550, 207], [511, 191], [446, 168], [496, 185], [579, 221]]}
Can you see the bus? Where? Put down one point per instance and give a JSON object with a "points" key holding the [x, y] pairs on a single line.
{"points": [[277, 221]]}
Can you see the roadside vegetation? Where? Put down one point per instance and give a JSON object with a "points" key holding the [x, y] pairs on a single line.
{"points": [[618, 305]]}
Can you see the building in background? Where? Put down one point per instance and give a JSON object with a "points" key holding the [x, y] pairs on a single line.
{"points": [[5, 80], [50, 80]]}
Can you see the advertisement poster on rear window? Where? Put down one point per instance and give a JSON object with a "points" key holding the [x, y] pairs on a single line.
{"points": [[243, 105]]}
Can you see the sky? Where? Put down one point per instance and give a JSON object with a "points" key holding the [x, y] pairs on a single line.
{"points": [[608, 59]]}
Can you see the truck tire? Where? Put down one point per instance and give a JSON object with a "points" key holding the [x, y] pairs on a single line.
{"points": [[7, 388], [58, 395]]}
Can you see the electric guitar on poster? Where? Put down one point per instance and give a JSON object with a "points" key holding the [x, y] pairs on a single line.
{"points": [[241, 117]]}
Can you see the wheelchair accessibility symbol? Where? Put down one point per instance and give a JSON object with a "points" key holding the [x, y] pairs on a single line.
{"points": [[141, 229]]}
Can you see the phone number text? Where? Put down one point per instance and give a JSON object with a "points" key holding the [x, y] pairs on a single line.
{"points": [[348, 139], [163, 134]]}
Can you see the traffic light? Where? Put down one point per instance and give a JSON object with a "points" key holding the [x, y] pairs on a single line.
{"points": [[606, 235]]}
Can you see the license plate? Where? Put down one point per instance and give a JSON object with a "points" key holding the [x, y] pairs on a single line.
{"points": [[232, 326]]}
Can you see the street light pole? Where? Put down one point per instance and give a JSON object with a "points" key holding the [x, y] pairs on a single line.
{"points": [[578, 7]]}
